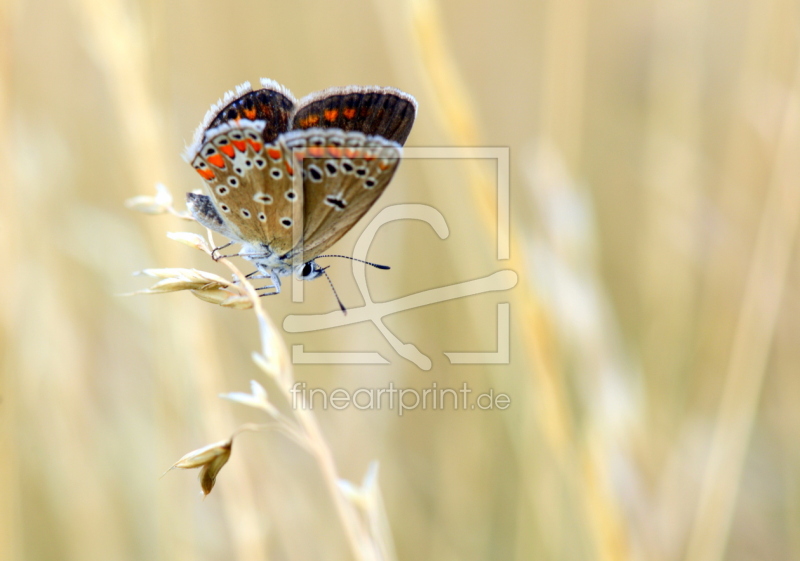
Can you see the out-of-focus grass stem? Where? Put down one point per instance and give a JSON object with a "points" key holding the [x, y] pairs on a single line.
{"points": [[453, 103], [749, 355], [118, 44]]}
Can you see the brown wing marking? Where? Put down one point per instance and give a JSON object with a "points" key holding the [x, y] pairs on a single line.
{"points": [[273, 104], [372, 110]]}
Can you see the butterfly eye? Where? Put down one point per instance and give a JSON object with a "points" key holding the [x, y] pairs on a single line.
{"points": [[308, 271]]}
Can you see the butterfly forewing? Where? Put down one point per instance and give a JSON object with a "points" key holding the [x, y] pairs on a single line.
{"points": [[343, 176]]}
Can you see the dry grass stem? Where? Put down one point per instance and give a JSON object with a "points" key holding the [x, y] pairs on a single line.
{"points": [[275, 363], [556, 413]]}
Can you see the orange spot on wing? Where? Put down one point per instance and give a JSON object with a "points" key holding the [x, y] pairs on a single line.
{"points": [[274, 153], [331, 114], [335, 152], [352, 153], [306, 122], [289, 168], [256, 145], [316, 151], [216, 160], [297, 155], [227, 149], [241, 145], [349, 113], [206, 173], [250, 113]]}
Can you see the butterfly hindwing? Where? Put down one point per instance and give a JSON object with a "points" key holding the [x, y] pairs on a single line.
{"points": [[250, 184], [385, 112]]}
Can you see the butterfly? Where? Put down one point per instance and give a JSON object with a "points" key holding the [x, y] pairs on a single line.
{"points": [[286, 179]]}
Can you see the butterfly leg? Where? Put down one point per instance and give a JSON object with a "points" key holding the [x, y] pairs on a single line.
{"points": [[256, 275], [217, 257], [276, 284]]}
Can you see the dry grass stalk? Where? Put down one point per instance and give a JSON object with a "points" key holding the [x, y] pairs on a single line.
{"points": [[359, 511], [749, 356], [557, 416]]}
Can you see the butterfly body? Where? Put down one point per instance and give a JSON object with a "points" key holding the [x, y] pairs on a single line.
{"points": [[287, 179]]}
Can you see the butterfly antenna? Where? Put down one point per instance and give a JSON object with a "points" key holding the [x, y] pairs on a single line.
{"points": [[384, 267], [330, 282]]}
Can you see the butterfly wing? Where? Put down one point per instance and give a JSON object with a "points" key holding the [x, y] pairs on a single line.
{"points": [[352, 137], [385, 112], [344, 174], [204, 211], [349, 140], [273, 104], [250, 184]]}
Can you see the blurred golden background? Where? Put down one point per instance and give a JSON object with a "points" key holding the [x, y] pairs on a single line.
{"points": [[653, 373]]}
